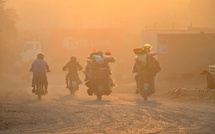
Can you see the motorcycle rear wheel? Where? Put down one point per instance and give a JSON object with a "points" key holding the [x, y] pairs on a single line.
{"points": [[99, 92], [144, 94], [39, 92], [72, 91], [39, 96], [99, 97]]}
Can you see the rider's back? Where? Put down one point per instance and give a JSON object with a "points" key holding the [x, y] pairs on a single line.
{"points": [[98, 67], [146, 63], [39, 67], [73, 67]]}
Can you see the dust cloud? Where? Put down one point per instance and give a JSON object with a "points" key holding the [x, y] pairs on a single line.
{"points": [[50, 20], [64, 28]]}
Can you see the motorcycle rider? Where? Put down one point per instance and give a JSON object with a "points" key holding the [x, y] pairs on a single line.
{"points": [[146, 63], [95, 62], [107, 60], [39, 68], [94, 56], [73, 67]]}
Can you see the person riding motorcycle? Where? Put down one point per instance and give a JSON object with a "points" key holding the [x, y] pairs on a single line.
{"points": [[146, 64], [94, 56], [39, 68], [73, 67], [95, 62], [107, 60]]}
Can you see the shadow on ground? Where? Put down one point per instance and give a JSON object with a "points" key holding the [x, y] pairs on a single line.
{"points": [[148, 103], [66, 98], [96, 102]]}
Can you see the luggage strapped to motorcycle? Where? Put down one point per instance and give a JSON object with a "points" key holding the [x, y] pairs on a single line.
{"points": [[100, 73]]}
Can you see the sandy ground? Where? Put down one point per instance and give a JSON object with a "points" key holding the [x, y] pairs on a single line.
{"points": [[121, 112]]}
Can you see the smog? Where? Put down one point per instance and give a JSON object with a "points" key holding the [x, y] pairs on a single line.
{"points": [[107, 66]]}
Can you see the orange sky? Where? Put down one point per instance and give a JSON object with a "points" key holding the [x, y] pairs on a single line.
{"points": [[132, 14]]}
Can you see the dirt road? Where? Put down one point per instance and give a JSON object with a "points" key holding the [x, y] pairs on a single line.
{"points": [[121, 112]]}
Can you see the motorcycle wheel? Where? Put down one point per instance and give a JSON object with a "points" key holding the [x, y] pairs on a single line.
{"points": [[89, 92], [71, 88], [145, 95], [99, 93], [72, 91], [39, 92], [99, 97], [39, 96]]}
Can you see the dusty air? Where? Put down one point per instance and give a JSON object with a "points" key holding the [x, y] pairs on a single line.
{"points": [[107, 66]]}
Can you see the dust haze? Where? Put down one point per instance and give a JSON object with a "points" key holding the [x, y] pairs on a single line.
{"points": [[34, 21], [182, 33]]}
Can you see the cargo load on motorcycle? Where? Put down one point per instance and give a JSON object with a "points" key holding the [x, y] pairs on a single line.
{"points": [[97, 75], [146, 67]]}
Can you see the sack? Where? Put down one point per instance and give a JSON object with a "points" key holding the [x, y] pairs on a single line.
{"points": [[98, 59], [143, 59], [100, 73], [138, 51]]}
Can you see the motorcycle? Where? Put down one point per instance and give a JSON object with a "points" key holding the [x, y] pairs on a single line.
{"points": [[145, 85], [73, 83], [145, 76], [40, 86], [100, 88], [99, 85]]}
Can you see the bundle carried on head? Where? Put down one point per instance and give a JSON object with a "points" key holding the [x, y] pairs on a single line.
{"points": [[146, 49]]}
